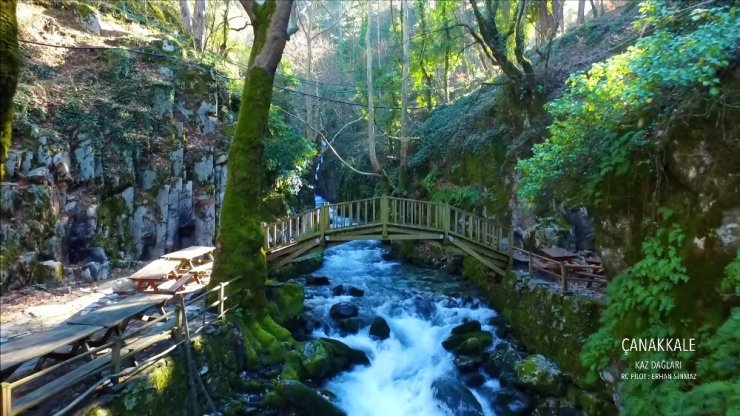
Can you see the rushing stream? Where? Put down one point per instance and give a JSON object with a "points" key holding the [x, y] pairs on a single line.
{"points": [[420, 305]]}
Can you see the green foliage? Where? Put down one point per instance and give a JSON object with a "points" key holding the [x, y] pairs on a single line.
{"points": [[287, 153], [120, 63], [459, 196], [603, 124], [640, 305]]}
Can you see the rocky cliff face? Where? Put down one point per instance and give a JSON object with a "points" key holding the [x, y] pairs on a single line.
{"points": [[116, 156]]}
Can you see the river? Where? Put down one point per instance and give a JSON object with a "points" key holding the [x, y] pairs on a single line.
{"points": [[421, 306]]}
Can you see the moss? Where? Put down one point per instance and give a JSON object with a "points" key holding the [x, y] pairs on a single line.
{"points": [[9, 70], [239, 246], [302, 265], [285, 302]]}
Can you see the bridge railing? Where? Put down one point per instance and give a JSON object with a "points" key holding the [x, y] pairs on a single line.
{"points": [[393, 214], [416, 214], [354, 214], [477, 229]]}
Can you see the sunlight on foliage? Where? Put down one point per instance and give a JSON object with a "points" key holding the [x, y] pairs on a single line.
{"points": [[601, 125]]}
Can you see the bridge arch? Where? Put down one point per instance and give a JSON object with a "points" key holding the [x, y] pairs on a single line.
{"points": [[388, 218]]}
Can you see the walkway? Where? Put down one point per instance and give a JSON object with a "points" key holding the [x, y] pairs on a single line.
{"points": [[388, 218]]}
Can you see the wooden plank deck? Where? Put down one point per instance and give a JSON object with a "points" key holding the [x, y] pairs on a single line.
{"points": [[41, 343], [113, 315]]}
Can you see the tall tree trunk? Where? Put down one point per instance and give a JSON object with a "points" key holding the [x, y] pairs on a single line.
{"points": [[558, 7], [446, 81], [225, 34], [186, 18], [374, 163], [199, 24], [9, 67], [594, 10], [239, 244], [581, 12], [404, 148]]}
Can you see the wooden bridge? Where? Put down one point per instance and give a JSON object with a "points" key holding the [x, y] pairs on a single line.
{"points": [[388, 218]]}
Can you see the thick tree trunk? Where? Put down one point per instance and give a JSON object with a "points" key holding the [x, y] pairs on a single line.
{"points": [[374, 163], [199, 24], [239, 244], [404, 148], [594, 9], [581, 12], [9, 67], [186, 18]]}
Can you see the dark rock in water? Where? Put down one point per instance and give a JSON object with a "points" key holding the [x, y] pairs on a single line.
{"points": [[453, 341], [353, 291], [465, 327], [497, 320], [424, 307], [317, 280], [349, 325], [470, 347], [379, 329], [307, 401], [325, 357], [511, 402], [455, 398], [538, 374], [466, 364], [474, 380], [337, 290], [502, 360], [343, 310]]}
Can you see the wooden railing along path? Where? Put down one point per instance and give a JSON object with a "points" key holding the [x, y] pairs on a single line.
{"points": [[388, 218], [560, 270], [107, 360]]}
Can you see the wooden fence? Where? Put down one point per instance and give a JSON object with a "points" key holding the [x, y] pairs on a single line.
{"points": [[111, 355]]}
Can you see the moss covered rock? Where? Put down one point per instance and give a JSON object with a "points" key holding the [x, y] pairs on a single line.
{"points": [[285, 302], [324, 358], [294, 394], [540, 375], [477, 339]]}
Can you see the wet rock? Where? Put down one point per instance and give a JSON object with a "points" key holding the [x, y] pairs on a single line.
{"points": [[337, 290], [355, 292], [471, 347], [39, 176], [379, 329], [424, 307], [484, 339], [502, 360], [511, 402], [325, 357], [349, 325], [466, 364], [301, 397], [538, 374], [317, 280], [465, 327], [453, 397], [474, 380], [343, 310]]}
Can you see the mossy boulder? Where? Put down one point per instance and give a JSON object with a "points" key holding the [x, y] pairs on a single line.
{"points": [[296, 395], [465, 327], [477, 339], [539, 375], [285, 302], [323, 358], [502, 360], [49, 271]]}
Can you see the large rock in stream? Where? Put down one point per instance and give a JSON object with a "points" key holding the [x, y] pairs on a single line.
{"points": [[455, 398], [299, 396], [343, 310], [323, 358], [538, 374]]}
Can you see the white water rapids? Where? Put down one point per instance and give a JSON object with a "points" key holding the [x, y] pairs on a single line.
{"points": [[421, 306]]}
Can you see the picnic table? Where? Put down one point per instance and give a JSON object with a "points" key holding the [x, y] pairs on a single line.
{"points": [[155, 273], [115, 317], [192, 256], [44, 344], [559, 254]]}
